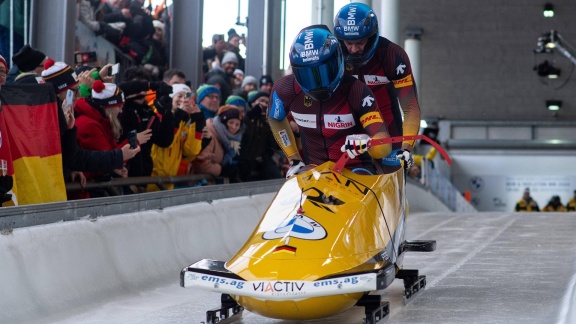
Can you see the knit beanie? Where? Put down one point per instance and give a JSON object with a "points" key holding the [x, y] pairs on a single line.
{"points": [[238, 71], [205, 90], [230, 57], [249, 79], [179, 87], [59, 74], [107, 95], [3, 62], [229, 112], [266, 79], [28, 58], [254, 95], [237, 101]]}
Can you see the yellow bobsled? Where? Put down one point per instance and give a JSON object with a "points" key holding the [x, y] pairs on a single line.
{"points": [[328, 238]]}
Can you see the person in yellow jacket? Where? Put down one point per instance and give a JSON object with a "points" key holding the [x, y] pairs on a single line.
{"points": [[527, 204], [571, 206], [554, 205], [188, 124]]}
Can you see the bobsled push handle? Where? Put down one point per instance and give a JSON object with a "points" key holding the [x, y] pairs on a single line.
{"points": [[341, 163]]}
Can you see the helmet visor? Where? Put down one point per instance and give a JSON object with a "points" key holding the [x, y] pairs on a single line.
{"points": [[316, 77]]}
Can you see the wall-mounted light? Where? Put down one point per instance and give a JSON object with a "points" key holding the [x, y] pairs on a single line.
{"points": [[548, 10], [553, 104], [546, 69]]}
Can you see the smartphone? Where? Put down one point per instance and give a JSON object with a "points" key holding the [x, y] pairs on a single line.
{"points": [[69, 100], [132, 139], [85, 57], [113, 70], [189, 95], [150, 122]]}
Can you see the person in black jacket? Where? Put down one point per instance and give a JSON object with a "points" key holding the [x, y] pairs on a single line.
{"points": [[260, 155], [138, 115]]}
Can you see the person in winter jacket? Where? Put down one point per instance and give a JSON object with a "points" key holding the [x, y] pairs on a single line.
{"points": [[220, 156], [187, 125]]}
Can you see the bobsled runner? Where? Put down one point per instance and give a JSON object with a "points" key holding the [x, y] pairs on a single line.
{"points": [[329, 238]]}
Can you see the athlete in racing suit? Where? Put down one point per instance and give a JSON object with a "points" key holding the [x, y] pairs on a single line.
{"points": [[326, 117], [385, 68]]}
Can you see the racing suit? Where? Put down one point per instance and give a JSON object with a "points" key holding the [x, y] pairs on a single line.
{"points": [[389, 75], [324, 125]]}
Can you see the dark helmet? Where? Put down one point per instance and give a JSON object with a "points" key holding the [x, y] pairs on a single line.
{"points": [[356, 21], [317, 61]]}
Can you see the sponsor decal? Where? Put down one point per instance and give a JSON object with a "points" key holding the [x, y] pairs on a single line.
{"points": [[336, 282], [299, 226], [400, 68], [476, 184], [370, 118], [285, 249], [309, 53], [319, 199], [367, 101], [307, 101], [62, 86], [339, 121], [350, 29], [285, 138], [280, 287], [217, 281], [404, 82], [391, 159], [277, 110], [305, 120], [372, 80]]}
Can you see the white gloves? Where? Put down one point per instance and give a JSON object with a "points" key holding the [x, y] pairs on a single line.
{"points": [[355, 145], [295, 166], [405, 155]]}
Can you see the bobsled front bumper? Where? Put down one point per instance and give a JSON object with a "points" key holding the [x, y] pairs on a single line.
{"points": [[212, 276]]}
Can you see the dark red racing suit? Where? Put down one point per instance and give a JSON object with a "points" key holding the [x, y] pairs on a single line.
{"points": [[324, 125], [389, 75]]}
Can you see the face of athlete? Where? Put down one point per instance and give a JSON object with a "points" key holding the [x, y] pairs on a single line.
{"points": [[355, 46]]}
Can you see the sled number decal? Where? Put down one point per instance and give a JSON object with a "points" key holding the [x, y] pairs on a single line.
{"points": [[299, 226]]}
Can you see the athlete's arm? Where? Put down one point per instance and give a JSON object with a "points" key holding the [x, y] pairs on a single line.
{"points": [[281, 129], [371, 120], [405, 87]]}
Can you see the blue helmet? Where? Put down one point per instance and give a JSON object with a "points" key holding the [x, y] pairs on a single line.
{"points": [[357, 21], [317, 61]]}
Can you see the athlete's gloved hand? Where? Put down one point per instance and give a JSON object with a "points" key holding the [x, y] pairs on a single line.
{"points": [[405, 155], [355, 145], [295, 166]]}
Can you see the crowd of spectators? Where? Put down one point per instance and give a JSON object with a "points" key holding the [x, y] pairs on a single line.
{"points": [[528, 204], [217, 129]]}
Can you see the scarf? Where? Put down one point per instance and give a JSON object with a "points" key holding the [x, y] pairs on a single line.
{"points": [[230, 142]]}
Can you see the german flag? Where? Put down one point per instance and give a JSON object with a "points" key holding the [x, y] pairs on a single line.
{"points": [[31, 143], [285, 249]]}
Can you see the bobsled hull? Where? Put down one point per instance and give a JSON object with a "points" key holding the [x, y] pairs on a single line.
{"points": [[324, 241]]}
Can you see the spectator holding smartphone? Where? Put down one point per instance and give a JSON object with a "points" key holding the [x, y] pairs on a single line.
{"points": [[99, 127], [146, 119], [187, 129]]}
